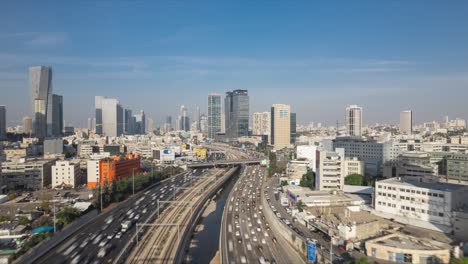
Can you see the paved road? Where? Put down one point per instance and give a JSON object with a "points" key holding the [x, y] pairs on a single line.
{"points": [[83, 247], [246, 236]]}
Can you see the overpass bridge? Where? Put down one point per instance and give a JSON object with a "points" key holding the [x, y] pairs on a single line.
{"points": [[222, 163]]}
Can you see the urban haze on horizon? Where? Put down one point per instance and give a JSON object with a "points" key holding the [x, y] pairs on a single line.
{"points": [[322, 56]]}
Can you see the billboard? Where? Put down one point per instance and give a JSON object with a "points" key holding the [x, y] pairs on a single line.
{"points": [[167, 155], [311, 251]]}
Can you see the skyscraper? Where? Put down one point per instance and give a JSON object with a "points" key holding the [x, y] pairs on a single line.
{"points": [[129, 127], [293, 128], [55, 127], [3, 134], [27, 125], [140, 123], [236, 112], [40, 82], [214, 115], [354, 120], [109, 117], [261, 123], [149, 125], [280, 126], [184, 120], [406, 122]]}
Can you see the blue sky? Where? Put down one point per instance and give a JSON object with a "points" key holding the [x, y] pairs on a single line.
{"points": [[386, 56]]}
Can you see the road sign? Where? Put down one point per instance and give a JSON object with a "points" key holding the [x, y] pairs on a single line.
{"points": [[311, 252]]}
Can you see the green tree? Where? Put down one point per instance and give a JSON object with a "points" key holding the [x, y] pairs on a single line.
{"points": [[458, 261], [67, 215], [354, 179], [11, 195], [23, 220], [284, 183], [308, 180], [300, 206]]}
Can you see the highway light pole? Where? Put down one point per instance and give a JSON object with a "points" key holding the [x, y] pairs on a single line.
{"points": [[55, 219], [133, 177]]}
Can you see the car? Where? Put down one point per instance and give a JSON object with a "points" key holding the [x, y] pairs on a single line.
{"points": [[243, 259], [274, 240], [144, 211], [252, 231], [254, 239], [110, 236], [263, 241], [137, 217], [103, 243], [266, 234], [237, 233], [118, 235], [239, 240]]}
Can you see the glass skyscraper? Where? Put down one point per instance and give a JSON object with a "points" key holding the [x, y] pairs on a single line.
{"points": [[236, 105], [214, 115]]}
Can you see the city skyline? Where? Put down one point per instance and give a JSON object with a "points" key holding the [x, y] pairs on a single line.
{"points": [[400, 54]]}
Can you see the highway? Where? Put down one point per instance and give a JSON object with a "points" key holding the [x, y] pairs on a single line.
{"points": [[161, 242], [104, 232], [245, 235], [323, 241]]}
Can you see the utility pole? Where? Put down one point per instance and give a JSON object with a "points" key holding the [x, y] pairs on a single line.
{"points": [[133, 177], [55, 219]]}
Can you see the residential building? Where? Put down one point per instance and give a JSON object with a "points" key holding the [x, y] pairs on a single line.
{"points": [[204, 124], [371, 152], [354, 120], [66, 174], [27, 125], [406, 122], [420, 201], [3, 125], [457, 167], [330, 171], [236, 112], [280, 126], [149, 125], [93, 170], [214, 115], [309, 153], [55, 125], [53, 146], [25, 174], [40, 82], [295, 170]]}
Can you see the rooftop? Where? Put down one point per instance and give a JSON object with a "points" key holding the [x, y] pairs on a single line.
{"points": [[399, 240], [440, 186]]}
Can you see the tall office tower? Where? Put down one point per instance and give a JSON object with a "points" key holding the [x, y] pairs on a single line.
{"points": [[204, 124], [223, 123], [406, 122], [90, 123], [56, 126], [169, 121], [98, 113], [27, 125], [261, 123], [40, 82], [129, 127], [3, 134], [149, 125], [140, 123], [293, 128], [280, 126], [110, 115], [354, 120], [184, 120], [214, 115], [236, 112], [198, 118]]}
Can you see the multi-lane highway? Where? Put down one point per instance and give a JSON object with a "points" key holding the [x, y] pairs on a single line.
{"points": [[245, 235], [103, 241]]}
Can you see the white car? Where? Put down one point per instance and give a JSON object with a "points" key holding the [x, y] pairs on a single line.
{"points": [[237, 233], [118, 235], [263, 241], [243, 259], [254, 239]]}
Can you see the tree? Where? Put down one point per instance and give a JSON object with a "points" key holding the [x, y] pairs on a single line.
{"points": [[67, 215], [361, 260], [308, 180], [300, 206], [23, 221], [11, 195], [354, 179]]}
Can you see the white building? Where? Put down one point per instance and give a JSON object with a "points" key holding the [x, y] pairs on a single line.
{"points": [[353, 166], [66, 173], [354, 120], [261, 123], [417, 201], [295, 170], [330, 171], [406, 122], [93, 169], [309, 153]]}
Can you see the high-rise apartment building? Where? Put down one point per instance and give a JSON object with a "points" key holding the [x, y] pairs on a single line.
{"points": [[40, 82], [406, 122], [236, 105], [129, 127], [354, 120], [184, 120], [140, 123], [149, 125], [2, 122], [214, 115], [330, 171], [27, 125], [280, 126], [261, 123], [293, 128], [109, 117]]}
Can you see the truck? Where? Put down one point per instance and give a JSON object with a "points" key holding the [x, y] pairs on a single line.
{"points": [[126, 225]]}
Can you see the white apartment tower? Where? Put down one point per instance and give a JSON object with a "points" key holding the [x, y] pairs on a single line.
{"points": [[65, 173], [354, 120], [261, 123], [406, 122]]}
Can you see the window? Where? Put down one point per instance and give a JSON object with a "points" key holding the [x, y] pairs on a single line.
{"points": [[373, 252], [441, 195], [408, 258], [441, 214]]}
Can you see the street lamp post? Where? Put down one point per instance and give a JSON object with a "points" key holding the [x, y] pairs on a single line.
{"points": [[133, 176], [55, 219]]}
